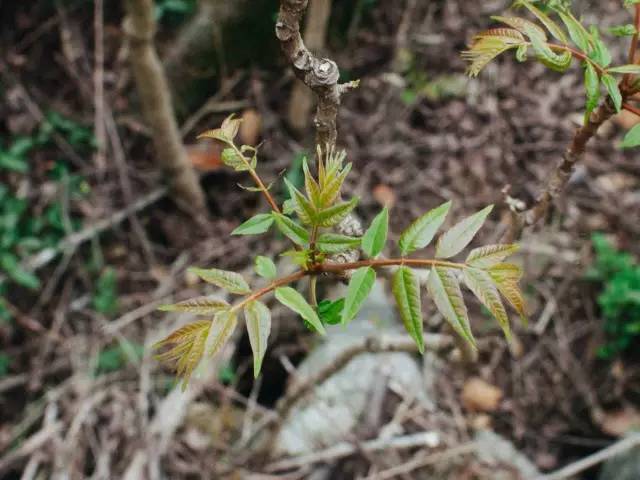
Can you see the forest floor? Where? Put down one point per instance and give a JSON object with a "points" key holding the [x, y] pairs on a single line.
{"points": [[81, 396]]}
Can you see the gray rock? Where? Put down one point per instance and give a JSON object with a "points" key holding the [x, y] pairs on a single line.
{"points": [[492, 449], [332, 413]]}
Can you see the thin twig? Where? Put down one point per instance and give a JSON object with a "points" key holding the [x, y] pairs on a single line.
{"points": [[561, 175], [634, 45], [616, 449], [320, 74], [344, 449], [98, 86], [631, 108]]}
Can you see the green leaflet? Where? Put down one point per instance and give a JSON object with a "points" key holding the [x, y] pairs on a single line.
{"points": [[632, 138], [483, 50], [301, 205], [292, 299], [375, 237], [556, 61], [600, 53], [454, 240], [623, 30], [506, 278], [187, 348], [421, 232], [330, 188], [330, 312], [335, 243], [233, 159], [633, 69], [198, 306], [358, 290], [406, 290], [333, 215], [265, 267], [521, 53], [489, 255], [230, 281], [311, 185], [611, 85], [222, 327], [577, 32], [292, 230], [552, 26], [11, 265], [483, 287], [521, 24], [444, 288], [256, 225], [592, 87], [227, 131], [298, 257], [258, 320]]}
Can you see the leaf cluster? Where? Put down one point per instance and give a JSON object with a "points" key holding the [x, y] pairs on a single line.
{"points": [[25, 228], [619, 299], [555, 43], [308, 219]]}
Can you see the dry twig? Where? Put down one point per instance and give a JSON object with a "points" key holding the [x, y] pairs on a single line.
{"points": [[572, 469]]}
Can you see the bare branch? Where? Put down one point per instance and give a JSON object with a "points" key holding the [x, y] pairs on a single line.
{"points": [[320, 74], [560, 176]]}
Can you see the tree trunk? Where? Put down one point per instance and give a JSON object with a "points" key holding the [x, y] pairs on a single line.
{"points": [[156, 103]]}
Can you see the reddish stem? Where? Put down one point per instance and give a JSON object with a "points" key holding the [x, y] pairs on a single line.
{"points": [[631, 108], [633, 48]]}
